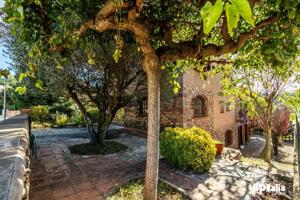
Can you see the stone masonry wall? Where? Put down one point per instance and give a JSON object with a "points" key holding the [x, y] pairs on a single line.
{"points": [[178, 110], [189, 119], [14, 158], [171, 110]]}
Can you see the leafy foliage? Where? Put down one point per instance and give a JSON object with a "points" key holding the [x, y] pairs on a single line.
{"points": [[77, 118], [61, 119], [190, 148], [40, 113], [210, 15], [120, 115]]}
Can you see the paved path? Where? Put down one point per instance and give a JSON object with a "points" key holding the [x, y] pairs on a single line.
{"points": [[254, 147], [57, 174]]}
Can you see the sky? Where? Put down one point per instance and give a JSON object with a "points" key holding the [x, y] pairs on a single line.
{"points": [[3, 58]]}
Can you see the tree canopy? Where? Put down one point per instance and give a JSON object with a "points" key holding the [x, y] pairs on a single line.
{"points": [[164, 32]]}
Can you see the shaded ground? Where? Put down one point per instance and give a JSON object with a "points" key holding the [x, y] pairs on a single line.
{"points": [[253, 152], [57, 174], [254, 147]]}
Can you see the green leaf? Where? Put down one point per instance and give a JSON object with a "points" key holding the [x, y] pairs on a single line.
{"points": [[91, 61], [38, 2], [31, 66], [21, 90], [20, 10], [233, 16], [292, 14], [22, 76], [117, 55], [39, 84], [244, 8], [210, 14]]}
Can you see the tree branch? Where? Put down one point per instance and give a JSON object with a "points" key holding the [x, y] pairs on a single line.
{"points": [[191, 50]]}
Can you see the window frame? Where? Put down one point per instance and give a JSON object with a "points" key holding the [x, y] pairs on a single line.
{"points": [[222, 106], [196, 101], [144, 106]]}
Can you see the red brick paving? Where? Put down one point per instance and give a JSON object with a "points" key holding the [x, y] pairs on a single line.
{"points": [[56, 174]]}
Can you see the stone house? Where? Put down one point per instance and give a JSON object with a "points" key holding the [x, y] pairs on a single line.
{"points": [[199, 103]]}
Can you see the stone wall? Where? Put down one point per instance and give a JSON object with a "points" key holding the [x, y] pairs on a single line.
{"points": [[178, 110], [219, 134], [189, 119], [14, 158], [171, 108]]}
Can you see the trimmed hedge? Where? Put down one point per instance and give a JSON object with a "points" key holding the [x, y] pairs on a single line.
{"points": [[188, 148]]}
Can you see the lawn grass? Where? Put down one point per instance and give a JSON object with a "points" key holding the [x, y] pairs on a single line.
{"points": [[134, 191], [109, 147]]}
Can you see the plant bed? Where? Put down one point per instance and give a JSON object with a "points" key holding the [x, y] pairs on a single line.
{"points": [[109, 147], [134, 191]]}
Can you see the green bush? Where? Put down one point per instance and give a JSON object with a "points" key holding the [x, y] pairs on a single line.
{"points": [[190, 148], [40, 113], [77, 117], [61, 119], [62, 107], [120, 115]]}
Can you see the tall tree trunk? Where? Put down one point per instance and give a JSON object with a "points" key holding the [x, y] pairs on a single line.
{"points": [[103, 124], [268, 145], [268, 132], [151, 177]]}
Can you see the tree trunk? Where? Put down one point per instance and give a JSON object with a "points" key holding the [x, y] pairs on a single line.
{"points": [[275, 141], [151, 177], [87, 119], [268, 145], [268, 132], [102, 129]]}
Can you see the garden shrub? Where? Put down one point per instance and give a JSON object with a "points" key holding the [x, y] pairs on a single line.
{"points": [[61, 119], [64, 107], [40, 113], [120, 115], [77, 117], [188, 148]]}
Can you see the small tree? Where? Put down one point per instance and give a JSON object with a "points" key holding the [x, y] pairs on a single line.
{"points": [[280, 124], [258, 80]]}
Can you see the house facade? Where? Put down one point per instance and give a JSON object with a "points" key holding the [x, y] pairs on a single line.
{"points": [[199, 103]]}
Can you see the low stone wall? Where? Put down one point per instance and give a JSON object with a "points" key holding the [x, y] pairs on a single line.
{"points": [[14, 158]]}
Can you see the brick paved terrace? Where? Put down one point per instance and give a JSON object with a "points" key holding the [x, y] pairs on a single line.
{"points": [[57, 174]]}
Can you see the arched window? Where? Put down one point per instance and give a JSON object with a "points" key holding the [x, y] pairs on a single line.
{"points": [[199, 106], [228, 138]]}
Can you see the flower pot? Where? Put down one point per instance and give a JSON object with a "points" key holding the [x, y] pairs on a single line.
{"points": [[219, 148]]}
